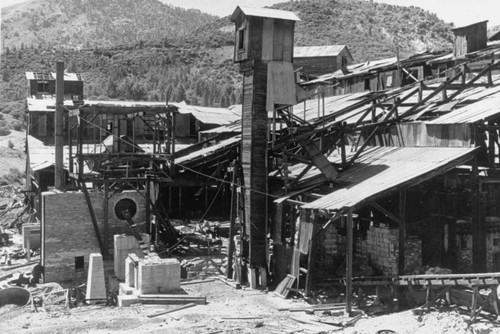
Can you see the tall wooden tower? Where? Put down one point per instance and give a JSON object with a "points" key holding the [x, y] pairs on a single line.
{"points": [[264, 50]]}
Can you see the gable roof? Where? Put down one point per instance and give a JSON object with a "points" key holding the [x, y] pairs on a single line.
{"points": [[319, 51], [263, 12], [495, 37], [458, 29]]}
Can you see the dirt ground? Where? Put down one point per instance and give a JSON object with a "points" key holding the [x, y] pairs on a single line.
{"points": [[228, 310]]}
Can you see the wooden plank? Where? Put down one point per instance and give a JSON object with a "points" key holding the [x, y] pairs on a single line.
{"points": [[267, 39], [284, 286], [319, 160], [279, 36], [288, 41], [386, 212], [171, 299], [173, 310]]}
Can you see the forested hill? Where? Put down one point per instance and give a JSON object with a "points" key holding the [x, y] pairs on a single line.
{"points": [[371, 30], [91, 23], [158, 59]]}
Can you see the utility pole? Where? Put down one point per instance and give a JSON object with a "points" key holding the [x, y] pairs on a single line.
{"points": [[59, 181]]}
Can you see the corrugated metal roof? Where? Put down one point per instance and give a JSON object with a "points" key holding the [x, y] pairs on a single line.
{"points": [[52, 76], [47, 104], [210, 150], [382, 169], [317, 51], [264, 12], [209, 115], [474, 104], [233, 127], [124, 104]]}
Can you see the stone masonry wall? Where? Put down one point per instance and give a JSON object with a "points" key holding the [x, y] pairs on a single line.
{"points": [[381, 246], [464, 252], [331, 244]]}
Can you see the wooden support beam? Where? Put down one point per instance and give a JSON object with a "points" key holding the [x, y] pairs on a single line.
{"points": [[402, 231], [93, 218], [386, 212], [472, 81], [312, 250], [431, 95], [232, 223], [59, 180], [349, 261], [319, 160], [105, 207], [478, 224]]}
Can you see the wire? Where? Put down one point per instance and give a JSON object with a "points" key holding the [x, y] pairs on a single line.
{"points": [[190, 169]]}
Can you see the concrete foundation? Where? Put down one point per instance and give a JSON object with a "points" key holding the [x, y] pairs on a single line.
{"points": [[123, 246], [158, 276], [31, 236], [96, 285]]}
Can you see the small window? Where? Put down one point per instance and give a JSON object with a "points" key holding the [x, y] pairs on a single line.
{"points": [[79, 263], [496, 242], [241, 39], [42, 87], [344, 62]]}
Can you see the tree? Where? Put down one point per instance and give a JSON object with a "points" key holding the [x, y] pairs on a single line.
{"points": [[179, 94]]}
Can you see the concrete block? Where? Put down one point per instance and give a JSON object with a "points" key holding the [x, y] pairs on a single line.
{"points": [[31, 236], [123, 246], [96, 285], [127, 300], [131, 271], [125, 289], [158, 276]]}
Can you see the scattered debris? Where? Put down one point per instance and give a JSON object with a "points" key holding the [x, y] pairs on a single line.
{"points": [[173, 310]]}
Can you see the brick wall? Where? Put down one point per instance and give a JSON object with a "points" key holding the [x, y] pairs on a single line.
{"points": [[68, 232]]}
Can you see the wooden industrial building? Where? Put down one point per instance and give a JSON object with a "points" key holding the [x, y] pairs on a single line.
{"points": [[363, 189], [319, 60]]}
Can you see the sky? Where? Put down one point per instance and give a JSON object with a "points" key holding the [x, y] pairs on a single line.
{"points": [[460, 12]]}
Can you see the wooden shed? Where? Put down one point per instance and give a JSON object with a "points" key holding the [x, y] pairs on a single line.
{"points": [[470, 38], [319, 60], [265, 34]]}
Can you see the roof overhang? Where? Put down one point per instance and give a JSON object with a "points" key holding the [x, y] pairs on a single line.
{"points": [[383, 170]]}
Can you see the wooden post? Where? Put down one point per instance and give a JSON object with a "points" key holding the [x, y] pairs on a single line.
{"points": [[402, 231], [349, 261], [491, 142], [58, 127], [70, 149], [105, 207], [80, 151], [312, 247], [232, 223], [464, 74], [420, 90], [148, 205], [490, 78], [478, 225]]}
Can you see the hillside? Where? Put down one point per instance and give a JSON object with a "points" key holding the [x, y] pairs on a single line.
{"points": [[371, 30], [91, 23], [192, 66]]}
